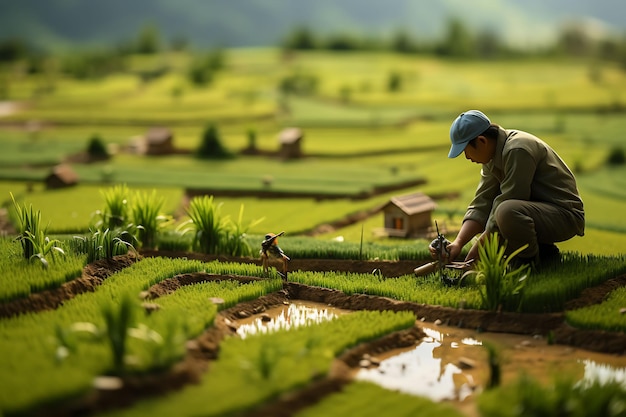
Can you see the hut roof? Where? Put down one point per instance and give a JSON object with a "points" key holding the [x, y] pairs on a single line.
{"points": [[290, 135], [413, 203], [157, 135], [65, 173]]}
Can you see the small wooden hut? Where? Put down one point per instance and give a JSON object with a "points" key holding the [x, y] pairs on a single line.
{"points": [[408, 216], [290, 140], [159, 141], [61, 176]]}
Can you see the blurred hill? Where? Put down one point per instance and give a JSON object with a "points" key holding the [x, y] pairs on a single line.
{"points": [[208, 23]]}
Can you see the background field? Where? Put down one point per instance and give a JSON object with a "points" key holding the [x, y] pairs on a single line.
{"points": [[359, 135]]}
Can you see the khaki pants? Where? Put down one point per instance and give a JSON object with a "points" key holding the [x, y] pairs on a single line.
{"points": [[530, 222]]}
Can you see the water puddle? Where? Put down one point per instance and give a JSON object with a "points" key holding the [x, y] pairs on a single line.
{"points": [[439, 367], [450, 363], [287, 317]]}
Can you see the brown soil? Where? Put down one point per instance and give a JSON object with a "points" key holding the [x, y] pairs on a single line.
{"points": [[206, 347]]}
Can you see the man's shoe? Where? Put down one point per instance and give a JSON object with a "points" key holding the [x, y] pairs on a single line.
{"points": [[548, 252]]}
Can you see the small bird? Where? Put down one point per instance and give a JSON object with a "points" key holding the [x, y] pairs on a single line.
{"points": [[270, 249]]}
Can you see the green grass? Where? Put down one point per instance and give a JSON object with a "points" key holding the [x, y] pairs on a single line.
{"points": [[546, 291], [20, 277], [606, 315], [563, 397], [264, 366], [75, 217], [29, 345], [369, 400]]}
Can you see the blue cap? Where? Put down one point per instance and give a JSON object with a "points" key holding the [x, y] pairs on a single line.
{"points": [[465, 128]]}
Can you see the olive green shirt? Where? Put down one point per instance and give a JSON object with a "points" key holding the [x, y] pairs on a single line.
{"points": [[524, 168]]}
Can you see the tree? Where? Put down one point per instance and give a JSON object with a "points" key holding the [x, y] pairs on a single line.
{"points": [[211, 146], [12, 50], [488, 44], [251, 139], [403, 43], [96, 149], [394, 82], [301, 38], [203, 67], [458, 42], [616, 156], [148, 41]]}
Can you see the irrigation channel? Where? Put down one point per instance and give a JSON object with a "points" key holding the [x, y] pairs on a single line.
{"points": [[450, 363]]}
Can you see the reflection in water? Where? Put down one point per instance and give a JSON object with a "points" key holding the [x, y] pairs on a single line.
{"points": [[422, 370], [450, 363], [287, 317], [604, 373]]}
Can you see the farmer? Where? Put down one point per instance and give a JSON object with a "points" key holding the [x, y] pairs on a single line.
{"points": [[526, 193]]}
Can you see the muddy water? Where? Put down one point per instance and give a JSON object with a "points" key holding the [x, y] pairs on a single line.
{"points": [[450, 364], [288, 316]]}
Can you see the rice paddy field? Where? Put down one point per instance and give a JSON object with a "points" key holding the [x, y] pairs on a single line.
{"points": [[358, 134], [363, 143]]}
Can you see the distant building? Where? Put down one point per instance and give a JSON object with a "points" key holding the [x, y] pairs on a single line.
{"points": [[290, 140], [408, 216], [61, 176], [156, 141], [159, 141]]}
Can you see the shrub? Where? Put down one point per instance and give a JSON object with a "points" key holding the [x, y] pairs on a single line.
{"points": [[616, 157], [96, 149], [211, 145]]}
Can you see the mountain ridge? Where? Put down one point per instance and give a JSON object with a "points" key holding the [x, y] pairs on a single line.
{"points": [[206, 23]]}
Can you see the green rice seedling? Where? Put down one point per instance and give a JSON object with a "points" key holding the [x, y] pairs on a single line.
{"points": [[608, 315], [552, 287], [104, 244], [28, 347], [20, 277], [146, 215], [32, 235], [234, 370], [367, 399], [174, 240], [501, 285], [406, 288], [234, 241], [302, 247], [207, 224], [119, 319], [495, 371], [268, 355], [115, 213], [564, 396]]}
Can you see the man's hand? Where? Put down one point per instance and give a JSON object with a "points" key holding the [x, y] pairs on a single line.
{"points": [[449, 252]]}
